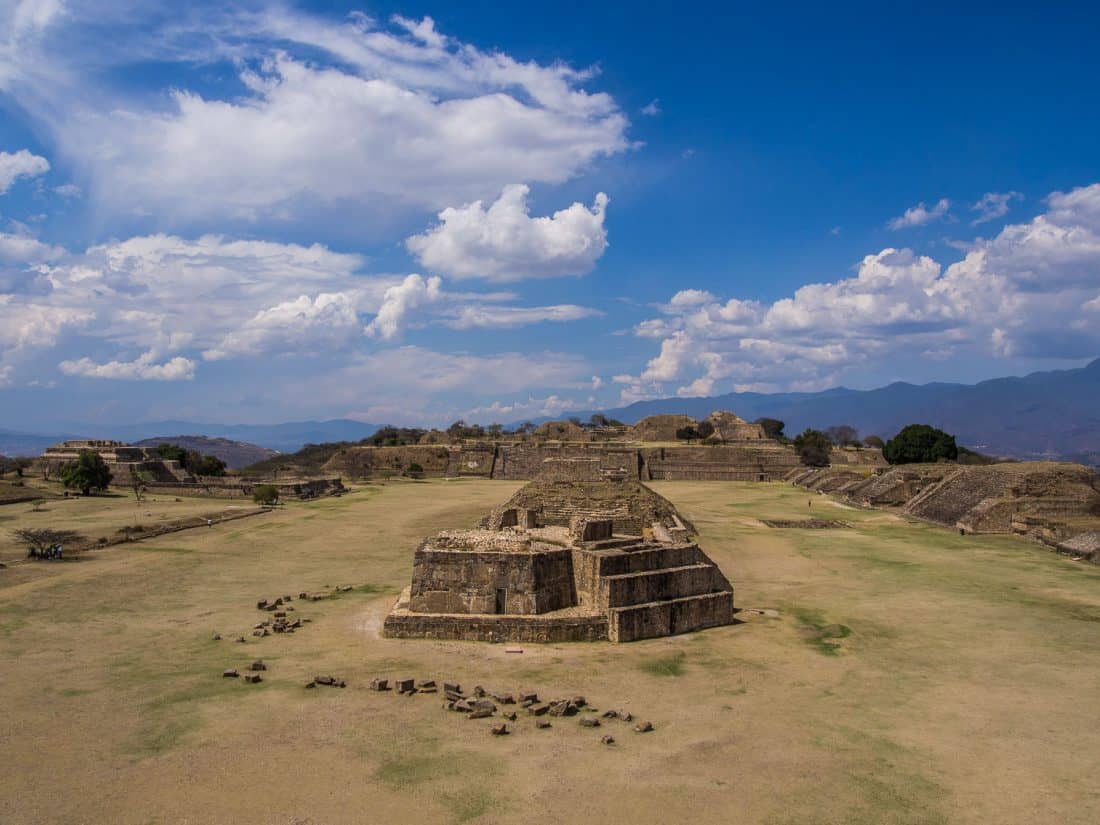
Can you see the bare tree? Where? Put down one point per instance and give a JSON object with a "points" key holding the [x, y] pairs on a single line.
{"points": [[41, 539]]}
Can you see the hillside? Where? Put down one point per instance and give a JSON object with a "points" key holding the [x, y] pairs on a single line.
{"points": [[1053, 414], [236, 454]]}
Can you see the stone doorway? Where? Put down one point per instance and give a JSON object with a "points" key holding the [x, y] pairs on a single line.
{"points": [[501, 600]]}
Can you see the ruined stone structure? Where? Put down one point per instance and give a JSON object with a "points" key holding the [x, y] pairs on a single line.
{"points": [[649, 451], [124, 460], [545, 567], [1047, 501], [161, 476]]}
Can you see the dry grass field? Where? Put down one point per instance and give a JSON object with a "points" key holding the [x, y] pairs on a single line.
{"points": [[888, 673]]}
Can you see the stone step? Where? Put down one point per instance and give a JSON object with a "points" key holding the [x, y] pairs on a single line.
{"points": [[649, 558], [670, 616], [658, 585]]}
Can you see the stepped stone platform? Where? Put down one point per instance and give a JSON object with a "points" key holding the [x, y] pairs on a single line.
{"points": [[520, 580]]}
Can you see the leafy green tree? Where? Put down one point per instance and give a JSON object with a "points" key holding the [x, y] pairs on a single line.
{"points": [[920, 443], [874, 441], [813, 448], [170, 452], [266, 494], [210, 465], [87, 472], [773, 428], [415, 471], [705, 429], [688, 433]]}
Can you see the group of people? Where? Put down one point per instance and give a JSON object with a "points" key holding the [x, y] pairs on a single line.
{"points": [[53, 552]]}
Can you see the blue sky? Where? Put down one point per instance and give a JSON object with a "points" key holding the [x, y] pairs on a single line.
{"points": [[259, 212]]}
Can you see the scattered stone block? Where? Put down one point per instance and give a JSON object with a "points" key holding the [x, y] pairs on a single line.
{"points": [[590, 722], [311, 684], [480, 713], [303, 595], [323, 680], [240, 640], [528, 697], [559, 708], [608, 740], [538, 709], [261, 604], [643, 727], [280, 614], [463, 705], [479, 691], [288, 598], [258, 665], [500, 730], [253, 678], [511, 717], [542, 724], [379, 684], [626, 716], [452, 687], [404, 685], [216, 637], [505, 698], [345, 588], [579, 701], [230, 673], [610, 714]]}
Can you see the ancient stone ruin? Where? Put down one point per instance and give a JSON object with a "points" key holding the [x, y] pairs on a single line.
{"points": [[157, 475], [565, 561], [737, 450]]}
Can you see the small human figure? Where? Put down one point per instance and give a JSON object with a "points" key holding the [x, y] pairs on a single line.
{"points": [[209, 522], [810, 502]]}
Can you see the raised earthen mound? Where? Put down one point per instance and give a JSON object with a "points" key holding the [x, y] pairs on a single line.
{"points": [[730, 427], [660, 427], [561, 431], [380, 462], [630, 505]]}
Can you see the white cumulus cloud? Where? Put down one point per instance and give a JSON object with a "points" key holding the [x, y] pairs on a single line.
{"points": [[993, 205], [399, 301], [502, 242], [355, 116], [920, 215], [143, 368], [1030, 291], [21, 164]]}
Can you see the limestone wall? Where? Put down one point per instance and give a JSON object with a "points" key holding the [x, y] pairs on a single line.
{"points": [[767, 461], [464, 581], [526, 460], [382, 462]]}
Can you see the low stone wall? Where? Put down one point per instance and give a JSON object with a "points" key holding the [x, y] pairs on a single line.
{"points": [[650, 621], [234, 488], [766, 461], [466, 581], [496, 628]]}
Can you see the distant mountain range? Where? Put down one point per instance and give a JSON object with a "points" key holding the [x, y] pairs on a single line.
{"points": [[1053, 414], [284, 438]]}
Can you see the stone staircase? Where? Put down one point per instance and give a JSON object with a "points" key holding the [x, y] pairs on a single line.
{"points": [[650, 589]]}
